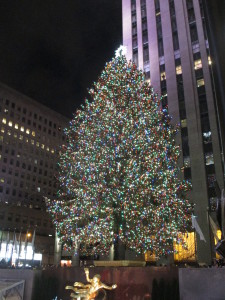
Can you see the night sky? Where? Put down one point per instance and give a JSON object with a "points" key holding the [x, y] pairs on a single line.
{"points": [[52, 50]]}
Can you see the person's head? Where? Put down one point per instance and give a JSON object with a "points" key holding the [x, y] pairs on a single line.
{"points": [[96, 278]]}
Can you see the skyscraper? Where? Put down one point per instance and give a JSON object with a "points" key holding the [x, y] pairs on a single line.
{"points": [[30, 137], [168, 39]]}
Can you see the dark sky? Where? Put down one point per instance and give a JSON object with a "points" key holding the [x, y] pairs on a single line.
{"points": [[52, 50]]}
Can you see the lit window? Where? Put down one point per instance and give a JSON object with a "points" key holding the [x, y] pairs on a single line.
{"points": [[10, 123], [37, 144], [187, 162], [47, 148], [4, 120], [9, 132], [52, 151], [187, 253], [200, 82], [27, 140], [163, 76], [22, 128], [21, 137], [209, 60], [178, 70], [15, 135], [27, 131], [2, 130], [16, 126], [33, 133], [2, 180], [219, 236], [42, 146], [32, 142], [183, 123], [209, 160], [198, 64]]}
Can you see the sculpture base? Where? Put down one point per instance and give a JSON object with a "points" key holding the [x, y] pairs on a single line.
{"points": [[119, 263]]}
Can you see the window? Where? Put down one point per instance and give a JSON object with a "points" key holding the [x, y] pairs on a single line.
{"points": [[17, 218], [209, 60], [178, 70], [160, 47], [209, 160], [135, 57], [25, 219], [175, 41], [145, 37], [172, 8], [144, 25], [183, 123], [134, 29], [198, 64], [4, 120], [194, 33], [145, 54], [10, 216], [163, 76], [200, 82], [133, 5], [134, 42]]}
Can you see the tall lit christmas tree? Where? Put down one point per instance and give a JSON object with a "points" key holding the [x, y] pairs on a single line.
{"points": [[119, 173]]}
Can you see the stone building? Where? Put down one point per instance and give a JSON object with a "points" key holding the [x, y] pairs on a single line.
{"points": [[168, 39], [30, 137]]}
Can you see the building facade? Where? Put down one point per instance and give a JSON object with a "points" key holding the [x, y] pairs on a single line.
{"points": [[30, 137], [168, 39]]}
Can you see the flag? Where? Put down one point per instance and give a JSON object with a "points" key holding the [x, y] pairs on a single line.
{"points": [[19, 245], [223, 212], [7, 244], [26, 242], [32, 243], [15, 244], [214, 228], [1, 241], [33, 239], [197, 228]]}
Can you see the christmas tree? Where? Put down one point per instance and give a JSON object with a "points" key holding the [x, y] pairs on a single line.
{"points": [[118, 173]]}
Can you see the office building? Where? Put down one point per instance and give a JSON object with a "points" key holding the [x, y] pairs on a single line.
{"points": [[30, 137], [168, 39]]}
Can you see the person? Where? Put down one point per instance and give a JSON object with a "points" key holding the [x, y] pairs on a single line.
{"points": [[89, 291]]}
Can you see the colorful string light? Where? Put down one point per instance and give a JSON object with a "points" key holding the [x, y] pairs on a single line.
{"points": [[118, 174]]}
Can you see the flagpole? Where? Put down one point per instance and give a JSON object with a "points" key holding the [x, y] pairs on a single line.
{"points": [[7, 242], [1, 241], [25, 247], [32, 243], [18, 256], [12, 247]]}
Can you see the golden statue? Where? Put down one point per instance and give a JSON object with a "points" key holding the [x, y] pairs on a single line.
{"points": [[88, 291]]}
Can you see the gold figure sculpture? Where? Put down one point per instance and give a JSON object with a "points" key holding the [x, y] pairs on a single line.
{"points": [[88, 291]]}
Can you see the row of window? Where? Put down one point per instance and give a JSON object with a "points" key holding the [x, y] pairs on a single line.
{"points": [[25, 111], [28, 130], [17, 218], [27, 158], [27, 140]]}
